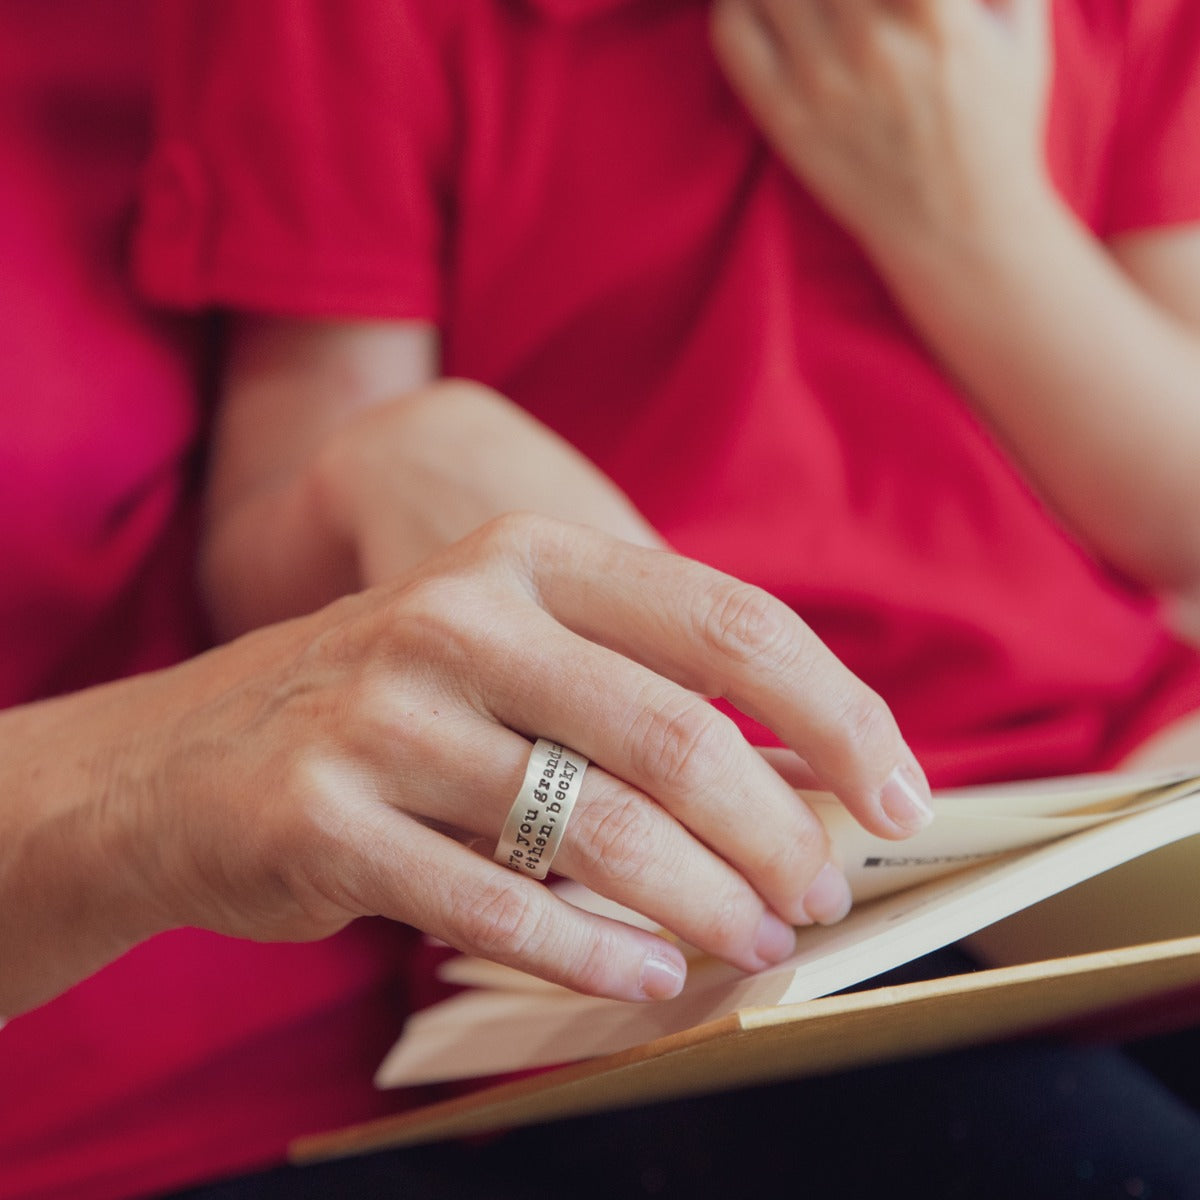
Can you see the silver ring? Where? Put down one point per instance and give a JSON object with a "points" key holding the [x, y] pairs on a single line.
{"points": [[538, 818]]}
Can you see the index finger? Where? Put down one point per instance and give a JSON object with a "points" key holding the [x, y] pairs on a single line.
{"points": [[723, 638]]}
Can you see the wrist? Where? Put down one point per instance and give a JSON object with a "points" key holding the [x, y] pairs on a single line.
{"points": [[278, 553], [74, 880], [987, 249]]}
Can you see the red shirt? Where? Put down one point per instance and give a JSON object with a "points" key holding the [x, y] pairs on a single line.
{"points": [[570, 190], [194, 1056]]}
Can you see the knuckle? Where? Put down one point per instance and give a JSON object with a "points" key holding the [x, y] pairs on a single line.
{"points": [[682, 744], [467, 391], [592, 969], [748, 626], [864, 720], [516, 548], [303, 843], [730, 923], [308, 821], [528, 535], [429, 601], [497, 919], [440, 621], [792, 857], [618, 836]]}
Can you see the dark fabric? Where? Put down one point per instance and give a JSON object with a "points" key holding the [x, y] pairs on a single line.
{"points": [[1030, 1120], [1013, 1122]]}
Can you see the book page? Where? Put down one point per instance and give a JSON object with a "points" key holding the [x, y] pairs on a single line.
{"points": [[972, 825], [492, 1031], [1153, 898]]}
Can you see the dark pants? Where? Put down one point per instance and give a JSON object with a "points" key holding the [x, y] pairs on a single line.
{"points": [[1019, 1121]]}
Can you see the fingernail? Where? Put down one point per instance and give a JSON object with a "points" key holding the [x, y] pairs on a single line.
{"points": [[776, 939], [662, 978], [905, 800], [828, 898]]}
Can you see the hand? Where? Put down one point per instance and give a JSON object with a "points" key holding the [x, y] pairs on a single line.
{"points": [[406, 478], [342, 763], [905, 118]]}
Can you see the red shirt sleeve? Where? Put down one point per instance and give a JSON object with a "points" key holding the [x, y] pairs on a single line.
{"points": [[303, 158], [1155, 165]]}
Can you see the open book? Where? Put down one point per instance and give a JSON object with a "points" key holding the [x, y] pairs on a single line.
{"points": [[1102, 875]]}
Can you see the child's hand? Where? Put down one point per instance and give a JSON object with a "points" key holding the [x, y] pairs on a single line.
{"points": [[342, 460], [906, 118], [406, 478]]}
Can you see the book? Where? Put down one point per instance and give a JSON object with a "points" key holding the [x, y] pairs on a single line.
{"points": [[1078, 893]]}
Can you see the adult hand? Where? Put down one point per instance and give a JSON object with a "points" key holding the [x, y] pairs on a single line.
{"points": [[906, 118], [334, 766]]}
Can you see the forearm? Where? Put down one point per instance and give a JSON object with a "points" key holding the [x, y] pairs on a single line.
{"points": [[277, 540], [1088, 382], [72, 887], [921, 128], [274, 554], [342, 461]]}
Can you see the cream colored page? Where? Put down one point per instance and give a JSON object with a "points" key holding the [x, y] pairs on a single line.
{"points": [[491, 1031], [1153, 898], [972, 825]]}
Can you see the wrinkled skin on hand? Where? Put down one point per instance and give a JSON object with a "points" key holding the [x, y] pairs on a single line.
{"points": [[346, 762]]}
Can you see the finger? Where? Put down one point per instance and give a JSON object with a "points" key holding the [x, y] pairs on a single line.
{"points": [[927, 14], [790, 767], [720, 637], [575, 691], [752, 59], [618, 842], [692, 760], [775, 59], [1031, 20], [824, 40], [408, 873], [746, 46], [622, 844], [805, 30]]}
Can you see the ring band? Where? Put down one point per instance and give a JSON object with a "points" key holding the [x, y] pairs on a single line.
{"points": [[538, 818]]}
